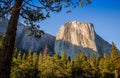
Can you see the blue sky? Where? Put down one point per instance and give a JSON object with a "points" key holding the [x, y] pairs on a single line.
{"points": [[104, 14]]}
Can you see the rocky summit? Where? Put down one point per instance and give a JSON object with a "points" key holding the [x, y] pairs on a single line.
{"points": [[24, 42], [75, 37]]}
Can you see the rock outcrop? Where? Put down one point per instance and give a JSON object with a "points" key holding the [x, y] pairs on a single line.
{"points": [[25, 42], [74, 37]]}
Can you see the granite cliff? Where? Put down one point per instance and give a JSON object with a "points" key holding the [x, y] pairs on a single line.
{"points": [[26, 42], [74, 37]]}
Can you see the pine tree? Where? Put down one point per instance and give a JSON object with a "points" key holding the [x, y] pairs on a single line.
{"points": [[40, 62], [29, 59], [64, 63], [77, 57], [56, 56], [84, 65], [19, 58], [35, 65], [16, 63], [43, 63], [64, 57], [35, 59], [27, 67], [93, 63], [97, 65], [76, 66], [46, 68], [115, 53], [45, 52], [106, 67], [115, 57], [23, 58], [69, 68]]}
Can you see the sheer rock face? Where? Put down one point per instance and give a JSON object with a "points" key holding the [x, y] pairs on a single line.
{"points": [[3, 25], [74, 37], [29, 43], [37, 44]]}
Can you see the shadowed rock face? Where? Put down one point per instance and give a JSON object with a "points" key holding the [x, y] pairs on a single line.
{"points": [[37, 44], [3, 25], [76, 37], [29, 43]]}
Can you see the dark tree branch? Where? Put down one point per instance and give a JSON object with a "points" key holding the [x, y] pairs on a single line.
{"points": [[3, 13], [34, 5]]}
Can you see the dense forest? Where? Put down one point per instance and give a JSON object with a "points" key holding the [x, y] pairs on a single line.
{"points": [[32, 65]]}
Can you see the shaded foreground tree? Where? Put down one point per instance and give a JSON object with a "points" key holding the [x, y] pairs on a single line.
{"points": [[6, 55], [32, 12]]}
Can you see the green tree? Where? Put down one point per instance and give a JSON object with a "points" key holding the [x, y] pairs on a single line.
{"points": [[35, 59], [64, 57], [94, 62], [77, 66], [115, 57], [81, 66], [69, 68], [29, 65], [97, 65], [40, 62], [14, 65], [16, 62], [24, 66], [23, 58], [31, 13], [46, 68], [84, 65], [35, 65], [106, 67], [45, 52], [54, 67], [115, 53], [66, 66]]}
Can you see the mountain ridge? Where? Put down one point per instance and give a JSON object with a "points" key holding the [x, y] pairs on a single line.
{"points": [[74, 37], [24, 42]]}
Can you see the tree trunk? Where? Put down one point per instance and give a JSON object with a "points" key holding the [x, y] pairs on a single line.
{"points": [[116, 72], [8, 47]]}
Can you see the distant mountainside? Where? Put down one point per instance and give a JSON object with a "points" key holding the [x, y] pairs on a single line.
{"points": [[74, 37], [3, 25], [26, 42]]}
